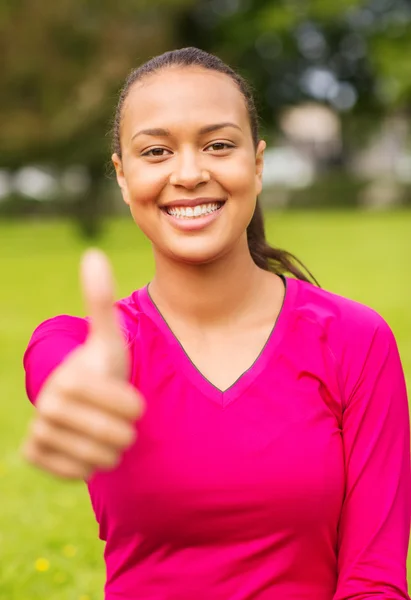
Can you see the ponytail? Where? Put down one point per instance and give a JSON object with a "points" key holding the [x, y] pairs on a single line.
{"points": [[273, 259]]}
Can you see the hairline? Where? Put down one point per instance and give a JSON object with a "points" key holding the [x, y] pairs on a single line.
{"points": [[141, 79]]}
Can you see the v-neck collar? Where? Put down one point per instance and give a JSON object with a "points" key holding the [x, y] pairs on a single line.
{"points": [[189, 369]]}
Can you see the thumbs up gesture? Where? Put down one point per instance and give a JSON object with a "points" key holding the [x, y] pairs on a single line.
{"points": [[86, 410]]}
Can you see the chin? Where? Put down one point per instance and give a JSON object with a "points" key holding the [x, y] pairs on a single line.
{"points": [[197, 259], [199, 255]]}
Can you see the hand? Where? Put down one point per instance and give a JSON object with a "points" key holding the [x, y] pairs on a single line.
{"points": [[86, 410]]}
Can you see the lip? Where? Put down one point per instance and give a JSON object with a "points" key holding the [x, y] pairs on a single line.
{"points": [[192, 224], [193, 202]]}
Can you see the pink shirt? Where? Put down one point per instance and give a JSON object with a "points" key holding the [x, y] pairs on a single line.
{"points": [[294, 484]]}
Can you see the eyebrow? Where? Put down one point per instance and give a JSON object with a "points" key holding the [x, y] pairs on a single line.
{"points": [[158, 131]]}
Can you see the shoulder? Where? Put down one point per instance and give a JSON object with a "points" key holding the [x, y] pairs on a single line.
{"points": [[76, 327], [337, 315], [355, 337], [62, 325]]}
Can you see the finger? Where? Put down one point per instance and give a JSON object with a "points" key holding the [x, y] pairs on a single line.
{"points": [[118, 398], [89, 421], [82, 450], [54, 463], [98, 290]]}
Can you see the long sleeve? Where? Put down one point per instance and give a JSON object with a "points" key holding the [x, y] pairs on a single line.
{"points": [[375, 519], [49, 345], [54, 339]]}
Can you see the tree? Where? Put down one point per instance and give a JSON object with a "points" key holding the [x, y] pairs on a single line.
{"points": [[352, 54], [64, 62]]}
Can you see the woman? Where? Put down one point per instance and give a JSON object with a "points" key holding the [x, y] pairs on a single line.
{"points": [[271, 458]]}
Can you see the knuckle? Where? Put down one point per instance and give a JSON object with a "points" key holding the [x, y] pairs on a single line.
{"points": [[71, 475], [40, 431], [136, 407], [109, 460], [69, 470], [52, 407], [136, 402], [33, 454], [27, 450], [88, 452], [101, 426], [128, 435], [117, 433], [110, 430], [65, 384], [84, 450]]}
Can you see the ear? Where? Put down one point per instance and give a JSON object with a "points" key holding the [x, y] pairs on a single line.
{"points": [[259, 165], [121, 180]]}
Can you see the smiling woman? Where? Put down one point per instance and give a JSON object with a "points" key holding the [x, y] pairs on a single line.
{"points": [[271, 459]]}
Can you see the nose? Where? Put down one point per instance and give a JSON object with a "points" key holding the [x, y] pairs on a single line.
{"points": [[188, 171]]}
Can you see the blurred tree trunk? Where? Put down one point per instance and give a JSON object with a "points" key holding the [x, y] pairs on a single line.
{"points": [[90, 209]]}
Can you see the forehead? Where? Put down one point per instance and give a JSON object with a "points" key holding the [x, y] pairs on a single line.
{"points": [[184, 94]]}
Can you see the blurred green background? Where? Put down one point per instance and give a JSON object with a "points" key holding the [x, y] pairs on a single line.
{"points": [[333, 86]]}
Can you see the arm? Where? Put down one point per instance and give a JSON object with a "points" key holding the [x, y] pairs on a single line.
{"points": [[54, 339], [49, 345], [375, 519]]}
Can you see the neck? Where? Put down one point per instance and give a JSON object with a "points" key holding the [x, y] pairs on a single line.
{"points": [[208, 294]]}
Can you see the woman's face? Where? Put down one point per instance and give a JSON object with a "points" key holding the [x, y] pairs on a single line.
{"points": [[189, 170]]}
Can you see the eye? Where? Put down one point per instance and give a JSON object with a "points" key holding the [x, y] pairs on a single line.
{"points": [[156, 152], [216, 146]]}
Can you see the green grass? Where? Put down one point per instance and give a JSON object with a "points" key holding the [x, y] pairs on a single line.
{"points": [[360, 255]]}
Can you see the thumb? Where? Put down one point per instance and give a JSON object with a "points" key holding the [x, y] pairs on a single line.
{"points": [[97, 284]]}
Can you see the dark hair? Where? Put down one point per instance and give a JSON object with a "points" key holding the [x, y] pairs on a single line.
{"points": [[265, 256]]}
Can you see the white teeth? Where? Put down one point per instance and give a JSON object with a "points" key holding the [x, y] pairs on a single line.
{"points": [[191, 213]]}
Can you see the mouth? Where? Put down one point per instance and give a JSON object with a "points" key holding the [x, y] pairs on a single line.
{"points": [[193, 212], [192, 218]]}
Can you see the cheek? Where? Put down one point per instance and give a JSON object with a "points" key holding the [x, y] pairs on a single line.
{"points": [[145, 185], [144, 189], [240, 174]]}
